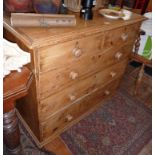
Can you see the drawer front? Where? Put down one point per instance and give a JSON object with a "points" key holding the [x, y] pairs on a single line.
{"points": [[54, 81], [57, 56], [60, 55], [69, 116], [120, 36], [58, 101]]}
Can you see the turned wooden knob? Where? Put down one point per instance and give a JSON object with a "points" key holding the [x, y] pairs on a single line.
{"points": [[124, 36], [69, 117], [113, 74], [73, 75], [72, 97], [107, 92], [77, 52], [118, 55]]}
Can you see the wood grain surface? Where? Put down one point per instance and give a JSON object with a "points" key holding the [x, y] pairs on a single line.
{"points": [[72, 67]]}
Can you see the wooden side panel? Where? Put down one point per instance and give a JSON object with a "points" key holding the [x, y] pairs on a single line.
{"points": [[27, 107]]}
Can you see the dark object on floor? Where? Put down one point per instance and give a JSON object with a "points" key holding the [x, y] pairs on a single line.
{"points": [[15, 86], [148, 70], [27, 144], [135, 64], [122, 126]]}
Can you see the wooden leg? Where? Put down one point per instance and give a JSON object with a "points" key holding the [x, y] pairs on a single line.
{"points": [[11, 132], [139, 78]]}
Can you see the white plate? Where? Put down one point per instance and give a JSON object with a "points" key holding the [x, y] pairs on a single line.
{"points": [[111, 14]]}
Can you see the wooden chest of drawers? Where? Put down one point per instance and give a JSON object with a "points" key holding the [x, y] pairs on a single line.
{"points": [[75, 70]]}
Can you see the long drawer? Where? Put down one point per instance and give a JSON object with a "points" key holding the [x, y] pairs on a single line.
{"points": [[58, 101], [70, 115], [57, 56], [56, 80]]}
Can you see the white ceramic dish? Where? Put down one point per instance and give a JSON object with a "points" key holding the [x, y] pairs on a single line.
{"points": [[111, 14]]}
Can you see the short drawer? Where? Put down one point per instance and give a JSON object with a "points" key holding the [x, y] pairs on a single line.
{"points": [[56, 80], [60, 100], [70, 115], [57, 56], [120, 36]]}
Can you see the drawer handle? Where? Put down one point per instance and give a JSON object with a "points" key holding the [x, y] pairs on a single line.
{"points": [[107, 92], [113, 74], [124, 36], [72, 97], [77, 52], [73, 75], [69, 117], [118, 55]]}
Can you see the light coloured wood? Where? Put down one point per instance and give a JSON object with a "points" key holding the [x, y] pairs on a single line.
{"points": [[51, 57], [58, 147], [60, 120], [26, 126], [31, 37], [60, 78], [78, 90], [31, 114], [72, 67], [89, 111], [139, 78], [121, 35], [66, 51]]}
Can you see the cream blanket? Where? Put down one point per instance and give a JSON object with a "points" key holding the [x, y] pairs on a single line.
{"points": [[14, 58]]}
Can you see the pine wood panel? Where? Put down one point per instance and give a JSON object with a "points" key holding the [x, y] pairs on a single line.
{"points": [[79, 90], [40, 37], [121, 36], [52, 57], [58, 147], [68, 75], [66, 117], [104, 43]]}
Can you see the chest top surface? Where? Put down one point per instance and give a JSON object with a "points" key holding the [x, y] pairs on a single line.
{"points": [[37, 37]]}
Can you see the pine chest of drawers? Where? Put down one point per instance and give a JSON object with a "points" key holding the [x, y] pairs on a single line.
{"points": [[75, 69]]}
